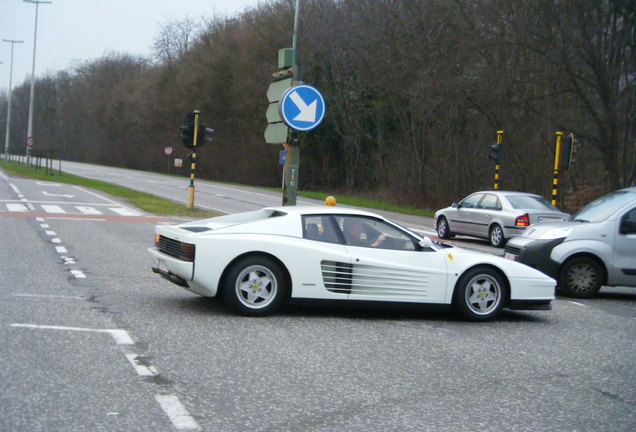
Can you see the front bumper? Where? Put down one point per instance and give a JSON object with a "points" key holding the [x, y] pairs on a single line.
{"points": [[535, 253]]}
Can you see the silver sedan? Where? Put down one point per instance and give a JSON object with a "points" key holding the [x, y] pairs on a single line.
{"points": [[495, 215]]}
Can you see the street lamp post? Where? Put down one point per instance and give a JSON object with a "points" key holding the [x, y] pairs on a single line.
{"points": [[35, 38], [6, 139]]}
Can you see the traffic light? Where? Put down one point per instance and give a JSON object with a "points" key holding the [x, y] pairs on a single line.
{"points": [[569, 148], [497, 153], [187, 130], [576, 146], [202, 135]]}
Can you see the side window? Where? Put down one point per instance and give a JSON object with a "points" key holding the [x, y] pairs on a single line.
{"points": [[471, 201], [490, 202], [628, 222], [631, 215], [372, 233], [319, 228]]}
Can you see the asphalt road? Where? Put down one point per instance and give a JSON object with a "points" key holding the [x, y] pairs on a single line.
{"points": [[92, 340]]}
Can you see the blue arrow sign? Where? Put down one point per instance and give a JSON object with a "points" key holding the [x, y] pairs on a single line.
{"points": [[302, 107]]}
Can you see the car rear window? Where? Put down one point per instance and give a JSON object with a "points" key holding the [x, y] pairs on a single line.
{"points": [[529, 202]]}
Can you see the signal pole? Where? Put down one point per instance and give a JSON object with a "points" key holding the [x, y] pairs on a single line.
{"points": [[193, 166], [497, 156], [555, 176]]}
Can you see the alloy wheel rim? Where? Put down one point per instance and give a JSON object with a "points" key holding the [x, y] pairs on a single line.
{"points": [[256, 287], [483, 294]]}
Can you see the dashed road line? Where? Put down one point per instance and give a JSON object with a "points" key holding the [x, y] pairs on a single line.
{"points": [[176, 412], [144, 370], [577, 303], [121, 337]]}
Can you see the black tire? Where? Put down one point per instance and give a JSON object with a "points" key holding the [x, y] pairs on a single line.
{"points": [[479, 294], [496, 236], [581, 277], [443, 230], [254, 286]]}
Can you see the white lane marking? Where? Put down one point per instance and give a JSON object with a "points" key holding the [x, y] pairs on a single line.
{"points": [[141, 369], [76, 218], [50, 233], [45, 193], [577, 303], [124, 211], [61, 249], [121, 337], [48, 184], [51, 296], [45, 226], [56, 240], [41, 220], [176, 412], [101, 197], [52, 209], [78, 274], [17, 208], [88, 210]]}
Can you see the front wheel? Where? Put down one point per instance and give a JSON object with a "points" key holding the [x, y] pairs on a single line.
{"points": [[443, 230], [581, 277], [254, 286], [480, 294], [496, 236]]}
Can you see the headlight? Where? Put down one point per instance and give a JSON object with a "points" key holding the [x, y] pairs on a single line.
{"points": [[556, 233]]}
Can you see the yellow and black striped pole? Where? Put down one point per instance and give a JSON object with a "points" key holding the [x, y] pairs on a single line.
{"points": [[193, 166], [497, 162], [555, 176]]}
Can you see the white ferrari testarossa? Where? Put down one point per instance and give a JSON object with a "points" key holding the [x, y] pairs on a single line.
{"points": [[255, 261]]}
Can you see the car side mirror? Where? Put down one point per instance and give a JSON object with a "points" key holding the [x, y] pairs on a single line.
{"points": [[455, 205], [628, 227], [426, 243]]}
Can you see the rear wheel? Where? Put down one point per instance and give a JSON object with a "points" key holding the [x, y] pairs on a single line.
{"points": [[496, 236], [443, 230], [581, 277], [480, 294], [255, 286]]}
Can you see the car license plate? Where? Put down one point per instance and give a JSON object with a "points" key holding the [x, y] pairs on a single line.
{"points": [[510, 256], [547, 219], [163, 266]]}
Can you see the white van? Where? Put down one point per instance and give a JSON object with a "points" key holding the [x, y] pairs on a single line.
{"points": [[596, 248]]}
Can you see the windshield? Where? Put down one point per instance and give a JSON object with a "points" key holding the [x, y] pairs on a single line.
{"points": [[603, 207], [530, 202]]}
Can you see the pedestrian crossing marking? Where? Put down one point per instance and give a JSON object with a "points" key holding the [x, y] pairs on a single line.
{"points": [[88, 210], [53, 209], [17, 207], [124, 211]]}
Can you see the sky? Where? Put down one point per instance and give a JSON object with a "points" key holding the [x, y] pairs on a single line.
{"points": [[75, 31]]}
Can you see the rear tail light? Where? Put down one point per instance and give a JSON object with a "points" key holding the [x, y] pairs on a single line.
{"points": [[522, 221]]}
